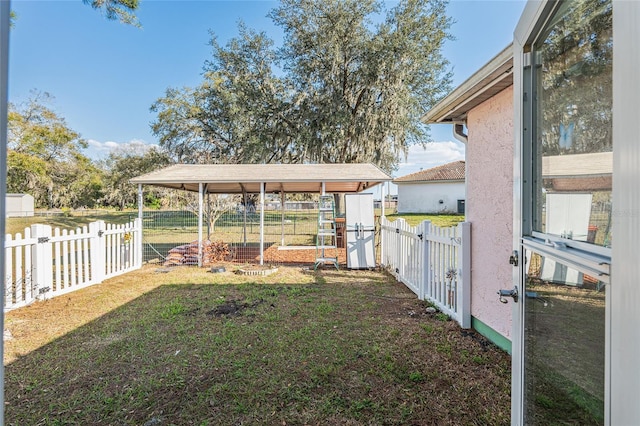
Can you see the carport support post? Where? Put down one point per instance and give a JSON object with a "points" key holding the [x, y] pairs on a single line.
{"points": [[383, 194], [262, 223], [282, 200], [244, 212], [140, 202], [139, 243], [200, 203]]}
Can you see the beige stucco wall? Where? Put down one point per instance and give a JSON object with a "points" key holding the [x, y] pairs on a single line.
{"points": [[489, 170]]}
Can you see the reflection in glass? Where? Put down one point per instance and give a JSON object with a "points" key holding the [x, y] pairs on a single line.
{"points": [[573, 152], [564, 345]]}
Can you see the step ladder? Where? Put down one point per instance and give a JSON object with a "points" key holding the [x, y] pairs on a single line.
{"points": [[326, 245]]}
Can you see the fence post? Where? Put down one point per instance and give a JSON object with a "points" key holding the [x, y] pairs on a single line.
{"points": [[425, 282], [381, 224], [464, 291], [137, 240], [41, 262], [400, 248], [387, 241], [8, 271], [97, 251]]}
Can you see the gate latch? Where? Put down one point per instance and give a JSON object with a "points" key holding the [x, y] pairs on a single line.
{"points": [[513, 293], [513, 259]]}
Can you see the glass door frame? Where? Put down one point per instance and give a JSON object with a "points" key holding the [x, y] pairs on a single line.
{"points": [[595, 260]]}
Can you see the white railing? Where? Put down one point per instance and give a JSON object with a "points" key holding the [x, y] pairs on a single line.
{"points": [[433, 262], [45, 263]]}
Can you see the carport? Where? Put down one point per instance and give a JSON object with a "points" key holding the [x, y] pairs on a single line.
{"points": [[261, 179]]}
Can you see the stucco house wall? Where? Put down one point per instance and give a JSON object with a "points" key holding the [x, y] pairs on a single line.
{"points": [[489, 159], [422, 197]]}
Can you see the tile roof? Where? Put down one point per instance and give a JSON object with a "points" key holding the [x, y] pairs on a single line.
{"points": [[447, 172]]}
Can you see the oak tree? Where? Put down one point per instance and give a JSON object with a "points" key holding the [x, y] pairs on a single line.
{"points": [[349, 84]]}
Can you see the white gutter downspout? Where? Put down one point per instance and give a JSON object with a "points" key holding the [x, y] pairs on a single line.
{"points": [[459, 134], [458, 131]]}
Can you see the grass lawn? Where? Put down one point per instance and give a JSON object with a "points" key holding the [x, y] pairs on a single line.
{"points": [[69, 221], [294, 348], [297, 222], [442, 220]]}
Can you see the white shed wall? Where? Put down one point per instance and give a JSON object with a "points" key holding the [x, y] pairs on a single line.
{"points": [[425, 197], [19, 205]]}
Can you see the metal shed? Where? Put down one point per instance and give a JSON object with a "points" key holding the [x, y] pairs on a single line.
{"points": [[19, 205], [261, 179]]}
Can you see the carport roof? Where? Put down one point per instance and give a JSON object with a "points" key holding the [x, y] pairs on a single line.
{"points": [[288, 178]]}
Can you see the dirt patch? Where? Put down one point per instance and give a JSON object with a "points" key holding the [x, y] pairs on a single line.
{"points": [[232, 308], [301, 257]]}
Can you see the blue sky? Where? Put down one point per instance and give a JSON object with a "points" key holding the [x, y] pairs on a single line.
{"points": [[104, 75]]}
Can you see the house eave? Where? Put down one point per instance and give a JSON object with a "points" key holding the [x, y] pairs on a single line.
{"points": [[489, 80]]}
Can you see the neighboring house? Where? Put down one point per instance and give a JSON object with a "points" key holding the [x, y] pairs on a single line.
{"points": [[437, 190], [19, 205], [553, 163]]}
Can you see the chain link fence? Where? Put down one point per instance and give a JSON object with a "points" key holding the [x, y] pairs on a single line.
{"points": [[240, 231]]}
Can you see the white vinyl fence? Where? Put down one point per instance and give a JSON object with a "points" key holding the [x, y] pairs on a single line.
{"points": [[45, 263], [433, 262]]}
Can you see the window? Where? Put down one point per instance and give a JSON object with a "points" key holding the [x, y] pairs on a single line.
{"points": [[572, 148]]}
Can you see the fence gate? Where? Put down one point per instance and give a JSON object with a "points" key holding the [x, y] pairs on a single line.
{"points": [[46, 262], [433, 262]]}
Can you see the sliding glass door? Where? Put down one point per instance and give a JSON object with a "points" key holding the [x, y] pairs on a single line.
{"points": [[567, 157]]}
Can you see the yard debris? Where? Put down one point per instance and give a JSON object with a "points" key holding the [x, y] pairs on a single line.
{"points": [[154, 421], [187, 254], [257, 270], [7, 334], [431, 310]]}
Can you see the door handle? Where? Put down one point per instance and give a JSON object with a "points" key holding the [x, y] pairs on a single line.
{"points": [[503, 294]]}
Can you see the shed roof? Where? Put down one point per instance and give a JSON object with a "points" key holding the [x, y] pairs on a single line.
{"points": [[288, 178], [578, 172], [577, 165], [485, 83], [446, 172]]}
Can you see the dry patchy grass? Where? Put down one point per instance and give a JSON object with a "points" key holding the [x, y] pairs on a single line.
{"points": [[296, 347]]}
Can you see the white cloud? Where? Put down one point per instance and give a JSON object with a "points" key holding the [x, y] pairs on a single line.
{"points": [[98, 150], [432, 155]]}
